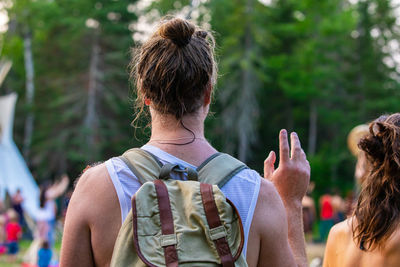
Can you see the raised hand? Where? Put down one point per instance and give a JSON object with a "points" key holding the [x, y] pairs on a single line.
{"points": [[292, 176]]}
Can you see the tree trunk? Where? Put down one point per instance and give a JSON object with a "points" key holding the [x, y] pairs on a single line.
{"points": [[312, 131], [30, 92], [247, 94], [246, 90], [91, 119]]}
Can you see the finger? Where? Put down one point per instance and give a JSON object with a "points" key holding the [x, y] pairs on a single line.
{"points": [[295, 146], [283, 147], [303, 155], [269, 167]]}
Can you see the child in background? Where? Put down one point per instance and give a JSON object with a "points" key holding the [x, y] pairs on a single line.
{"points": [[3, 247], [44, 255], [14, 232]]}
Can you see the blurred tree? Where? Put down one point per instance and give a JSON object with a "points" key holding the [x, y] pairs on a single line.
{"points": [[236, 25], [21, 14], [81, 49], [316, 67]]}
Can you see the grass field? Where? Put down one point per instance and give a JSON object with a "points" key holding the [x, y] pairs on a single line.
{"points": [[23, 247], [314, 250]]}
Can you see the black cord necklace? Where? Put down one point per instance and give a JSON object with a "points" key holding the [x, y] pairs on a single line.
{"points": [[193, 138]]}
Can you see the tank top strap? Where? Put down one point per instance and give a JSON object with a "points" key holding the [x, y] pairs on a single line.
{"points": [[242, 189]]}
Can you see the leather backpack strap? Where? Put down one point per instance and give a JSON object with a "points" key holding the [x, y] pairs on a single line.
{"points": [[217, 230], [219, 169], [168, 238], [144, 165]]}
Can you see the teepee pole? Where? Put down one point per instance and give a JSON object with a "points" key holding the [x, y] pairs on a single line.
{"points": [[5, 66]]}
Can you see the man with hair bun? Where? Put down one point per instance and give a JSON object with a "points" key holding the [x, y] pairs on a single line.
{"points": [[175, 72], [371, 237]]}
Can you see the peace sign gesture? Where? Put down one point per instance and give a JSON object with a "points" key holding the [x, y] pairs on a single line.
{"points": [[292, 176]]}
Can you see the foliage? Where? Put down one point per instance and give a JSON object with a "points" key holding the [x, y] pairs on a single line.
{"points": [[64, 33], [317, 67]]}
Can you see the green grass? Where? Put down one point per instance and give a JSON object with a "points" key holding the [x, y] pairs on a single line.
{"points": [[23, 247]]}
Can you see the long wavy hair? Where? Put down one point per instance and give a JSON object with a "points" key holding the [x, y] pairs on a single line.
{"points": [[378, 208]]}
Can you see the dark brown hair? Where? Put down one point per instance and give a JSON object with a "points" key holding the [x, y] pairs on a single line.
{"points": [[378, 208], [45, 244], [174, 68], [43, 191]]}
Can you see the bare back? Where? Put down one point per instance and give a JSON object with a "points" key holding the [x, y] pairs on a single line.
{"points": [[93, 221], [276, 233], [342, 250]]}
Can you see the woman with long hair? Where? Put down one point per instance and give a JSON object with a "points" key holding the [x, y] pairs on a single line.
{"points": [[371, 237]]}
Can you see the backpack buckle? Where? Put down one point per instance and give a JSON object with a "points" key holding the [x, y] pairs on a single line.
{"points": [[166, 170]]}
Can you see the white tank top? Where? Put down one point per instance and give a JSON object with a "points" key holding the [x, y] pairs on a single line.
{"points": [[242, 189]]}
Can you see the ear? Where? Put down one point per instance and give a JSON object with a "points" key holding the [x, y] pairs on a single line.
{"points": [[207, 94]]}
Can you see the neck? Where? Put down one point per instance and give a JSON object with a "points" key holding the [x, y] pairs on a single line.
{"points": [[189, 144], [168, 128]]}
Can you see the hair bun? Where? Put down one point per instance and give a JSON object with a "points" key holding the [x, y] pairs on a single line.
{"points": [[178, 30], [383, 141]]}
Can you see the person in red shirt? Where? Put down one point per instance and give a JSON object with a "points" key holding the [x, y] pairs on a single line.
{"points": [[326, 215], [13, 232]]}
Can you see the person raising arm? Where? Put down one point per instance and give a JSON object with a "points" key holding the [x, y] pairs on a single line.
{"points": [[175, 72]]}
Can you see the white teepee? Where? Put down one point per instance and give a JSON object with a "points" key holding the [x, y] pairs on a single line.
{"points": [[14, 174]]}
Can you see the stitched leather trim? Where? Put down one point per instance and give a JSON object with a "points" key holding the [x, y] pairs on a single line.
{"points": [[214, 221], [135, 235], [241, 245], [167, 222]]}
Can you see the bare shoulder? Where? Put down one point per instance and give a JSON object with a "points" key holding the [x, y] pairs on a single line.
{"points": [[270, 215], [340, 236], [94, 192], [92, 222], [342, 229], [268, 239], [268, 191], [270, 218], [269, 201], [339, 240], [92, 175]]}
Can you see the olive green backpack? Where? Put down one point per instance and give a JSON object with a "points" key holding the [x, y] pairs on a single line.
{"points": [[180, 223]]}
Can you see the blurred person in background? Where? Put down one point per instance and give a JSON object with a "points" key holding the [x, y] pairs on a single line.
{"points": [[46, 217], [44, 255], [13, 232], [354, 137], [326, 215], [371, 237], [339, 207], [309, 212], [16, 201], [3, 244], [349, 203]]}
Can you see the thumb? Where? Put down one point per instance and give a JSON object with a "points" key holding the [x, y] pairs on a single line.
{"points": [[269, 165]]}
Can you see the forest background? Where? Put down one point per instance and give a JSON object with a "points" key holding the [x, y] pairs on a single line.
{"points": [[315, 67]]}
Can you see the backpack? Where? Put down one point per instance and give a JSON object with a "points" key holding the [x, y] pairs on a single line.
{"points": [[180, 222]]}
